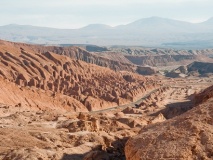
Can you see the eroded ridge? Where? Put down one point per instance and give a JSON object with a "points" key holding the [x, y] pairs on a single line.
{"points": [[93, 86]]}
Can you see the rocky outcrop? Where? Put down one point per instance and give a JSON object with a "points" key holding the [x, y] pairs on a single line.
{"points": [[146, 70], [92, 86], [193, 69], [94, 48], [204, 96], [37, 99], [200, 67], [188, 136]]}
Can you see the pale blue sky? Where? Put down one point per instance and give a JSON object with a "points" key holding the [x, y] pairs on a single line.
{"points": [[79, 13]]}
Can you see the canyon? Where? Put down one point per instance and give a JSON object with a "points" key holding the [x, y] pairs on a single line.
{"points": [[71, 104]]}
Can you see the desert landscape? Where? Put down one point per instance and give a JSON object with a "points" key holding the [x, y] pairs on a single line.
{"points": [[106, 80], [68, 103]]}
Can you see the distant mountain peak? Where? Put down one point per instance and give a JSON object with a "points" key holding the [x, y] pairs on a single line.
{"points": [[156, 21], [209, 21], [150, 19], [97, 26], [155, 18], [153, 31], [13, 24]]}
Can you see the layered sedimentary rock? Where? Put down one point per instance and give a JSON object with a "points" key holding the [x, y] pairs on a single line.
{"points": [[137, 51], [165, 60]]}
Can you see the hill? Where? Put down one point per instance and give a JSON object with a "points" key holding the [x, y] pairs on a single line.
{"points": [[75, 84], [153, 31]]}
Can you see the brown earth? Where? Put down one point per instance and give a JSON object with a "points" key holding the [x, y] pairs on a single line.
{"points": [[54, 107], [52, 133]]}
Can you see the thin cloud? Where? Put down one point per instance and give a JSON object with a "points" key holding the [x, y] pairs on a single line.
{"points": [[78, 13]]}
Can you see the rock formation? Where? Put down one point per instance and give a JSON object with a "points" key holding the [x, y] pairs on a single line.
{"points": [[188, 136], [201, 67], [193, 69], [91, 86]]}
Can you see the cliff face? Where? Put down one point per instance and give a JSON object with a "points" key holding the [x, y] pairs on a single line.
{"points": [[200, 67], [146, 70], [80, 54], [91, 86], [204, 96], [188, 136], [195, 69], [140, 51], [164, 60]]}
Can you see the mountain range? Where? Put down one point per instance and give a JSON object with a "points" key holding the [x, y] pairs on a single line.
{"points": [[148, 32]]}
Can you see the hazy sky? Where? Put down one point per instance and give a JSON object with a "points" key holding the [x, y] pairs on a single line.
{"points": [[78, 13]]}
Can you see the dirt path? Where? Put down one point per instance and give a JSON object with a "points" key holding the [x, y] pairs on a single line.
{"points": [[132, 104]]}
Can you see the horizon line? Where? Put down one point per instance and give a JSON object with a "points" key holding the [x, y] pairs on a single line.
{"points": [[112, 26]]}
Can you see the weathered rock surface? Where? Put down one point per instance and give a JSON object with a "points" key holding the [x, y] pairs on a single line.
{"points": [[193, 69], [146, 70], [56, 75], [37, 99], [116, 64], [200, 67], [188, 136]]}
